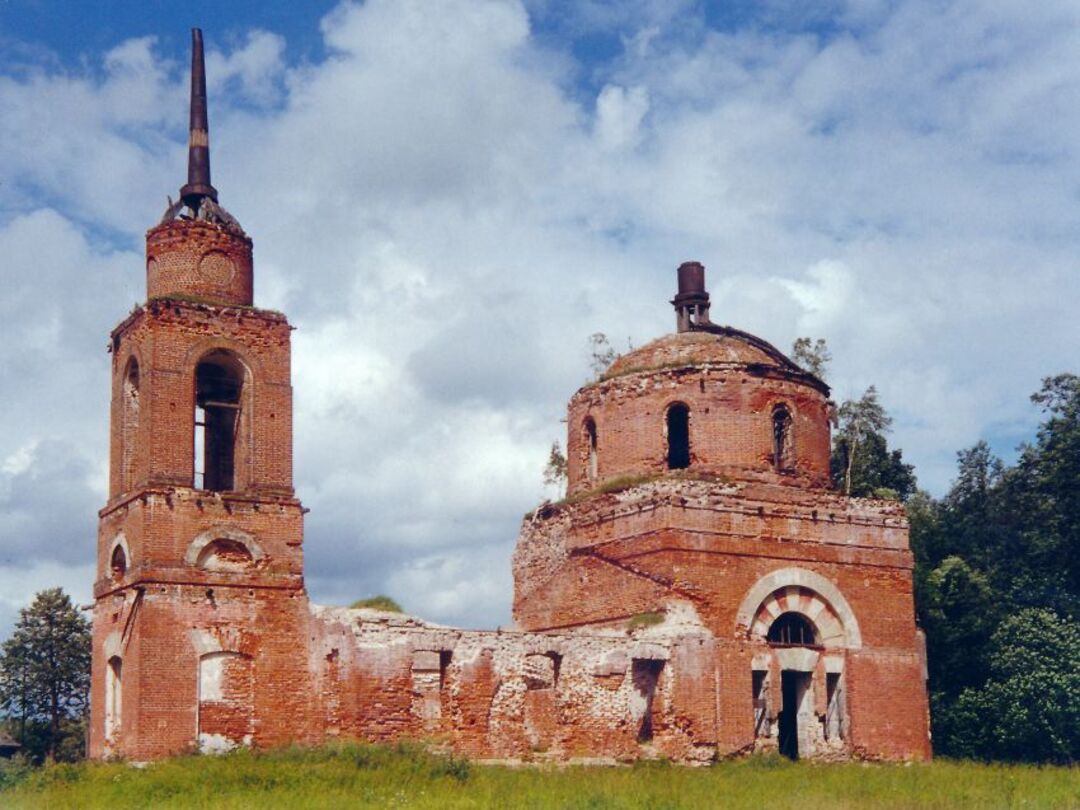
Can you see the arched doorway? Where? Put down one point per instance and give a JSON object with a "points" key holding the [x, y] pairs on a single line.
{"points": [[793, 630], [804, 627]]}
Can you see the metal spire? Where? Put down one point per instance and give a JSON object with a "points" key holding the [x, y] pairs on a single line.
{"points": [[198, 185]]}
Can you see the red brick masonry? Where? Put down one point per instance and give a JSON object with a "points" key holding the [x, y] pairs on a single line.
{"points": [[644, 601]]}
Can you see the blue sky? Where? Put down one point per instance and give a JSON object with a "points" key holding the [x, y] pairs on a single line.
{"points": [[449, 196]]}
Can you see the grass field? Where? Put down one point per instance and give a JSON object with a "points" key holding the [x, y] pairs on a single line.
{"points": [[404, 776]]}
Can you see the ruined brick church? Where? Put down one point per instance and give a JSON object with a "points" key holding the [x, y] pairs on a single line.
{"points": [[701, 592]]}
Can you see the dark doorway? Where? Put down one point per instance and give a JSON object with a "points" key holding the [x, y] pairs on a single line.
{"points": [[793, 686], [646, 675]]}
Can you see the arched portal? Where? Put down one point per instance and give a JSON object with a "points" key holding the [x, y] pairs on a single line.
{"points": [[805, 625]]}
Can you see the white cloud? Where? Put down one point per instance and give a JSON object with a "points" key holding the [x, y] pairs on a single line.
{"points": [[446, 220], [619, 112]]}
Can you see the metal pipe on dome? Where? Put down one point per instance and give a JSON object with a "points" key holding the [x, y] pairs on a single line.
{"points": [[691, 302]]}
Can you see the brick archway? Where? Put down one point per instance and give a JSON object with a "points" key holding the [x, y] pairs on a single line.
{"points": [[200, 543], [805, 592]]}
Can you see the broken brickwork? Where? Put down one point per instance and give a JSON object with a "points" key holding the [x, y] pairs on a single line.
{"points": [[644, 601], [700, 593]]}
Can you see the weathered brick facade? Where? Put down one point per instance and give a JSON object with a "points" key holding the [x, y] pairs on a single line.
{"points": [[701, 592]]}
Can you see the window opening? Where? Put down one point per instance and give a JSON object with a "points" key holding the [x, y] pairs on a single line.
{"points": [[556, 667], [834, 728], [218, 383], [129, 424], [792, 629], [783, 450], [591, 460], [445, 657], [761, 702], [118, 562], [645, 673], [113, 695], [678, 435]]}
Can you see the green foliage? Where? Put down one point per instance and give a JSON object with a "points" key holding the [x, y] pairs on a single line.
{"points": [[14, 770], [958, 616], [997, 580], [648, 618], [601, 354], [1029, 708], [380, 602], [875, 471], [812, 355], [354, 775], [45, 668], [863, 425], [35, 737], [555, 470]]}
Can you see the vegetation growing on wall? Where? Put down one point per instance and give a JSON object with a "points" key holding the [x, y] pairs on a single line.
{"points": [[380, 602]]}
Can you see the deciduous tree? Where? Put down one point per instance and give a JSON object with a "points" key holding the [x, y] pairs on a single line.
{"points": [[859, 420], [812, 355]]}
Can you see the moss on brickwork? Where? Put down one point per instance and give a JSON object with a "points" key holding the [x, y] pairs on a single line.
{"points": [[648, 618]]}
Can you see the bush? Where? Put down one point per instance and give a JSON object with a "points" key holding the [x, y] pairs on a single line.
{"points": [[379, 602], [14, 770], [1029, 708]]}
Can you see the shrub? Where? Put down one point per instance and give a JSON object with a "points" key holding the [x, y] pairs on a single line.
{"points": [[380, 602]]}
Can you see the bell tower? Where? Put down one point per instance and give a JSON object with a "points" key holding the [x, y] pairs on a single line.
{"points": [[199, 594]]}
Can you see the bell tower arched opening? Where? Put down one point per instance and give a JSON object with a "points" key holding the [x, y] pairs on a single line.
{"points": [[219, 382]]}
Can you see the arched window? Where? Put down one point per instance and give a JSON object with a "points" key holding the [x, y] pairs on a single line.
{"points": [[118, 562], [591, 443], [792, 629], [225, 554], [219, 380], [678, 436], [783, 444], [113, 695], [129, 424]]}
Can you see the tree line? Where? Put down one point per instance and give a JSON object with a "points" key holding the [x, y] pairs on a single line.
{"points": [[997, 574]]}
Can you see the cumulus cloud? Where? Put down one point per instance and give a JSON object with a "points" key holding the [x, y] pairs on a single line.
{"points": [[450, 202]]}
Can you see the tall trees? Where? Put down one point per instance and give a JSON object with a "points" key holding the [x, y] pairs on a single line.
{"points": [[45, 665], [998, 593], [859, 420], [812, 355]]}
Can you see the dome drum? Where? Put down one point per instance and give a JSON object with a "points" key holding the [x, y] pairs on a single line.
{"points": [[621, 426]]}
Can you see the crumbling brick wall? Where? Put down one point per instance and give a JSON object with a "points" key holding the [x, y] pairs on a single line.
{"points": [[644, 602]]}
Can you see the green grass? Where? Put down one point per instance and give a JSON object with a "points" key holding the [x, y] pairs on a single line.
{"points": [[406, 776], [379, 602]]}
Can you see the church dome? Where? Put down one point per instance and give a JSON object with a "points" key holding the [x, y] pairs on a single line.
{"points": [[709, 400], [722, 346]]}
